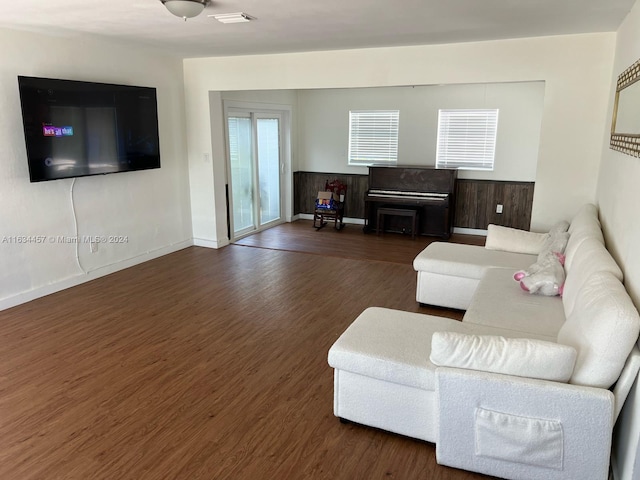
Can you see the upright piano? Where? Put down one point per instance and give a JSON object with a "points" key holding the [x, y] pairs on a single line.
{"points": [[429, 190]]}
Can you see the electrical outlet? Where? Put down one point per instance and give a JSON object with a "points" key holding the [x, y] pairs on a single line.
{"points": [[93, 247], [499, 208]]}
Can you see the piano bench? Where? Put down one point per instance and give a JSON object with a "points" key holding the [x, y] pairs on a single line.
{"points": [[400, 212]]}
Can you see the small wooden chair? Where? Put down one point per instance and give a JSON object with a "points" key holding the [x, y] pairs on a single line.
{"points": [[334, 210]]}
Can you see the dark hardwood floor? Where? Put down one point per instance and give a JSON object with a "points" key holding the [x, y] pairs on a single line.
{"points": [[205, 364], [349, 242]]}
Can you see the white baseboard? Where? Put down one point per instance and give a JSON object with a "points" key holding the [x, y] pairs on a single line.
{"points": [[202, 242], [25, 297], [43, 291]]}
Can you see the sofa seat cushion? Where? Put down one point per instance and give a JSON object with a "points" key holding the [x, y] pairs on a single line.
{"points": [[395, 346], [500, 302], [521, 357], [603, 327], [470, 261]]}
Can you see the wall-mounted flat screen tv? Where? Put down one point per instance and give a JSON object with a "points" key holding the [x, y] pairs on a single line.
{"points": [[75, 129]]}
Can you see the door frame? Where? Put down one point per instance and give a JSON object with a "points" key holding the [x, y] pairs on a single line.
{"points": [[286, 178]]}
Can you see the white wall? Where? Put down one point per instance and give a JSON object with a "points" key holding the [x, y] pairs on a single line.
{"points": [[323, 121], [207, 162], [151, 207], [619, 203], [576, 70], [286, 97]]}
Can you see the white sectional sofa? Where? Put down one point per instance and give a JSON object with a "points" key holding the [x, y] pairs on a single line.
{"points": [[525, 387]]}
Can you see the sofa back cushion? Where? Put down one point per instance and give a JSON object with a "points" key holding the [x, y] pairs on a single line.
{"points": [[514, 240], [591, 256], [584, 225], [603, 327], [584, 218]]}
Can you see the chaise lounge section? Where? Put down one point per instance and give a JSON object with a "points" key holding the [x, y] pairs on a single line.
{"points": [[525, 387]]}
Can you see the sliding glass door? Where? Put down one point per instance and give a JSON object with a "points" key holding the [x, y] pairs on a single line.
{"points": [[254, 168]]}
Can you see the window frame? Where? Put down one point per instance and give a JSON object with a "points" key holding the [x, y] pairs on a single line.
{"points": [[375, 150], [467, 138]]}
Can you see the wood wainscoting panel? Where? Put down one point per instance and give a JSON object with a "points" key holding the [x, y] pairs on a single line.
{"points": [[477, 200], [306, 186]]}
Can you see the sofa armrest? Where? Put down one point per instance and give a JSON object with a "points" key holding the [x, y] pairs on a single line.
{"points": [[628, 376], [514, 427], [522, 357]]}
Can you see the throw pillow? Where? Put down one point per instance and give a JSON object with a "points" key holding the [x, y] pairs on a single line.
{"points": [[514, 240]]}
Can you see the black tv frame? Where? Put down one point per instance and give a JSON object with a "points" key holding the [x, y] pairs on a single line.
{"points": [[77, 128]]}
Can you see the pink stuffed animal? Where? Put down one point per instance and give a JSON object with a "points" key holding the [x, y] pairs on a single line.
{"points": [[546, 276]]}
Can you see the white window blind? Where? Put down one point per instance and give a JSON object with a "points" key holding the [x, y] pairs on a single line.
{"points": [[467, 139], [373, 137]]}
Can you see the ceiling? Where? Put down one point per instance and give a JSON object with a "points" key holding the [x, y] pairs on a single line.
{"points": [[304, 25]]}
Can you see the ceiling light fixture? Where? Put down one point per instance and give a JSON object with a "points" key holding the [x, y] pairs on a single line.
{"points": [[233, 17], [185, 8]]}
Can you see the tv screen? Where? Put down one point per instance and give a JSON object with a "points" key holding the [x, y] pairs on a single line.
{"points": [[75, 129]]}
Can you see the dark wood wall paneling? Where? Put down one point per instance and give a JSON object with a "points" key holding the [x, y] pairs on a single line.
{"points": [[306, 186], [476, 200]]}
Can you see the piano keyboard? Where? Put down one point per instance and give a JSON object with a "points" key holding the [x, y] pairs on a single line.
{"points": [[408, 195]]}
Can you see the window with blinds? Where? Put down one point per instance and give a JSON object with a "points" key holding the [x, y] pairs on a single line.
{"points": [[467, 139], [373, 137]]}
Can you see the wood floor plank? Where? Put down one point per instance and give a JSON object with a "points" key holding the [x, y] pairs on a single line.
{"points": [[203, 364], [350, 242]]}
